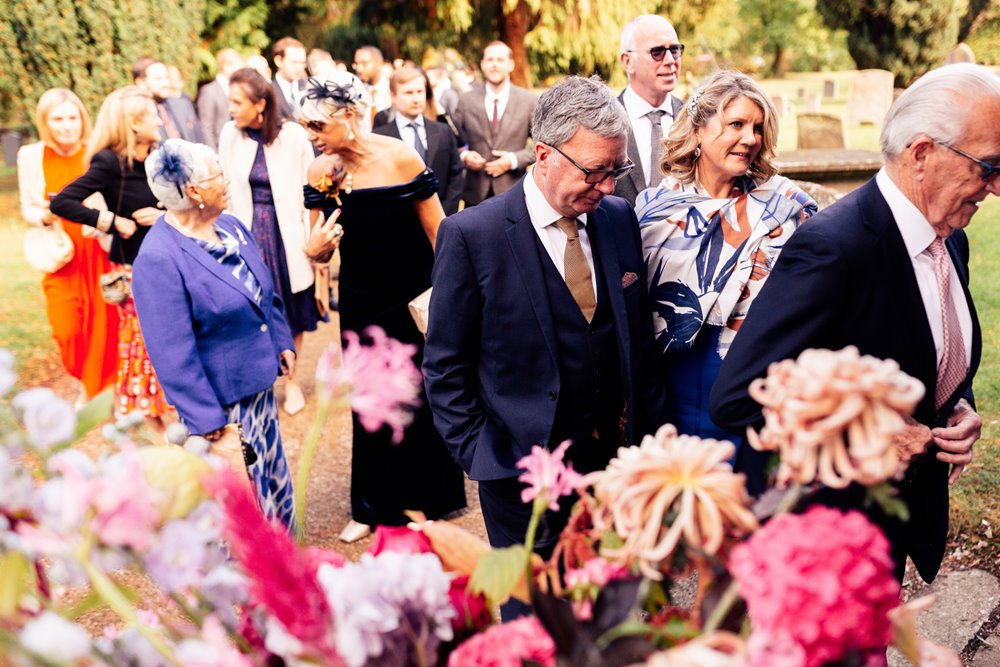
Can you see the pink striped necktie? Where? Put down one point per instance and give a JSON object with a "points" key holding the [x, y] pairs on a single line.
{"points": [[952, 369]]}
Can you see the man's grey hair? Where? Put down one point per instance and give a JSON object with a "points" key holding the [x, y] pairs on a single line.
{"points": [[173, 166], [936, 105], [628, 32], [577, 102]]}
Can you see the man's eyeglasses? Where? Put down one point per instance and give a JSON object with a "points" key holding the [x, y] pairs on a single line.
{"points": [[315, 126], [987, 171], [658, 52], [595, 176]]}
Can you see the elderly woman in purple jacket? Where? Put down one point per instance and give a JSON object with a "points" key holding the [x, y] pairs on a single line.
{"points": [[212, 322]]}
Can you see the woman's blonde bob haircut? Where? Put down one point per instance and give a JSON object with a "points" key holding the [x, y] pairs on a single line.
{"points": [[113, 128], [49, 100], [682, 147]]}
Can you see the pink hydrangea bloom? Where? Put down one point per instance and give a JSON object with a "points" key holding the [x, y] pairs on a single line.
{"points": [[545, 472], [507, 645], [380, 379], [125, 511], [822, 579]]}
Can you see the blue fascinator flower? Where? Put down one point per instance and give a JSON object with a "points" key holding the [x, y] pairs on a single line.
{"points": [[174, 166]]}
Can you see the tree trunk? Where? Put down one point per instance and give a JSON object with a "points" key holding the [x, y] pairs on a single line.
{"points": [[514, 26], [778, 64]]}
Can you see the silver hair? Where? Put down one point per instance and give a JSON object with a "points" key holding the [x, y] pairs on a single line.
{"points": [[936, 105], [176, 164], [331, 93], [628, 32], [577, 102]]}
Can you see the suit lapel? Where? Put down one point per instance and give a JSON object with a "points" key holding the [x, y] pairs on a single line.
{"points": [[977, 341], [200, 255], [433, 142], [521, 237], [633, 154], [602, 239]]}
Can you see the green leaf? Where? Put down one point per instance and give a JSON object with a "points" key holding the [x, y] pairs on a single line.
{"points": [[95, 412], [884, 495], [16, 577], [498, 572], [84, 606]]}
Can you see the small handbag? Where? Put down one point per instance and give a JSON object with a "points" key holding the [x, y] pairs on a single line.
{"points": [[116, 286], [419, 310], [48, 248]]}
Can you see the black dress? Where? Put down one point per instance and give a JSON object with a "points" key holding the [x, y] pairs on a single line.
{"points": [[386, 261]]}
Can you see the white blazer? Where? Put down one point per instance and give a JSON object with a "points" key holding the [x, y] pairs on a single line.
{"points": [[31, 187], [287, 159]]}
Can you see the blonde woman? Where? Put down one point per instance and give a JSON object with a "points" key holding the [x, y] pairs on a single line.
{"points": [[711, 232], [126, 130], [84, 327]]}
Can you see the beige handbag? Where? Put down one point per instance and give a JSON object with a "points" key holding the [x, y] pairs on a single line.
{"points": [[48, 248], [418, 310]]}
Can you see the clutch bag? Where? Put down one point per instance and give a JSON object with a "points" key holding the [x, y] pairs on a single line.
{"points": [[48, 248]]}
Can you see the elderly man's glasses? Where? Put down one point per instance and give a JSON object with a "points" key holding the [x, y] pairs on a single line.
{"points": [[987, 171], [658, 52], [595, 176]]}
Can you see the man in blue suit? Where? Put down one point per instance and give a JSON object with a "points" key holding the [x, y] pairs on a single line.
{"points": [[539, 326], [886, 269]]}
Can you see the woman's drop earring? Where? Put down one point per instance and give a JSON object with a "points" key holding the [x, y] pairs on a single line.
{"points": [[697, 152], [260, 118]]}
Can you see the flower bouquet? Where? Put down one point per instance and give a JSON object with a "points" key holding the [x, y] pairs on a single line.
{"points": [[782, 582]]}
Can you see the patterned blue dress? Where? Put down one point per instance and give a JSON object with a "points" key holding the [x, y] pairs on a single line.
{"points": [[258, 413], [300, 307]]}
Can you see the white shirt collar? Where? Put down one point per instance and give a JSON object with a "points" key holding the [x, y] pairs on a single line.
{"points": [[501, 95], [638, 107], [402, 122], [539, 210], [916, 231], [223, 81]]}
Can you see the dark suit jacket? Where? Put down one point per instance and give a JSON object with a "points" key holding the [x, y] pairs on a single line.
{"points": [[845, 278], [181, 110], [512, 135], [490, 366], [210, 343], [634, 183], [213, 110], [442, 158], [286, 109]]}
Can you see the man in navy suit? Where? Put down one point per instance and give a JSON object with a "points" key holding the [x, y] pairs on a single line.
{"points": [[433, 141], [886, 269], [539, 326]]}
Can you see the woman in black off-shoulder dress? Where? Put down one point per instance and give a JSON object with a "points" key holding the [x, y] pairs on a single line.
{"points": [[389, 215]]}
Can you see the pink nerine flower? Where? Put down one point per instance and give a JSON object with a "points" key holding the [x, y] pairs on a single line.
{"points": [[380, 379], [586, 583], [508, 645], [822, 579], [545, 473]]}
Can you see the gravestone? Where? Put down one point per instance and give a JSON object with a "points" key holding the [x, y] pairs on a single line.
{"points": [[815, 103], [831, 88], [962, 53], [780, 104], [870, 97], [802, 93], [820, 130]]}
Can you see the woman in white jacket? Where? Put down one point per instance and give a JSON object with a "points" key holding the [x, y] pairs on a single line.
{"points": [[266, 160]]}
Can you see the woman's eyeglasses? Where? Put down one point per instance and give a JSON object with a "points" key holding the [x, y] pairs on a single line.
{"points": [[315, 126], [658, 52], [595, 176]]}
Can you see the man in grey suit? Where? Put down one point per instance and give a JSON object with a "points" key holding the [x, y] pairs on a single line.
{"points": [[495, 122], [433, 141], [651, 56], [179, 118], [213, 98], [289, 82]]}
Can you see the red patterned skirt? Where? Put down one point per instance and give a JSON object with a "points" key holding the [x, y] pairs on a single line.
{"points": [[136, 387]]}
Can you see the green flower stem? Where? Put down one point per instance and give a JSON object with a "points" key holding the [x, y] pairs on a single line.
{"points": [[115, 599], [305, 463], [795, 493], [537, 510], [729, 597]]}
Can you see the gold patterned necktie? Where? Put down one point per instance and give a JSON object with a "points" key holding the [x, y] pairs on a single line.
{"points": [[953, 368], [577, 271], [655, 146]]}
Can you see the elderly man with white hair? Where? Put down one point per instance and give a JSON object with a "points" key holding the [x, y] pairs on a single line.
{"points": [[886, 269]]}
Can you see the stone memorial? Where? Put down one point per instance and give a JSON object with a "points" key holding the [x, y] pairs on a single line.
{"points": [[870, 97], [820, 130]]}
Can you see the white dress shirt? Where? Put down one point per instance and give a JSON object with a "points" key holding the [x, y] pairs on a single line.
{"points": [[406, 132], [637, 108], [917, 235], [287, 89], [543, 219]]}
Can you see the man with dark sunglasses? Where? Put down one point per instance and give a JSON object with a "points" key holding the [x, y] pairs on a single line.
{"points": [[651, 56], [539, 327], [886, 269]]}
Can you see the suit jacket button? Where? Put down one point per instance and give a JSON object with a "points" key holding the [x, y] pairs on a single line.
{"points": [[263, 327], [552, 395]]}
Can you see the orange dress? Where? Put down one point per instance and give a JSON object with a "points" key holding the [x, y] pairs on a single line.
{"points": [[84, 327]]}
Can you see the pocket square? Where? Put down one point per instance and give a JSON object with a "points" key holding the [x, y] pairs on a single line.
{"points": [[628, 278]]}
